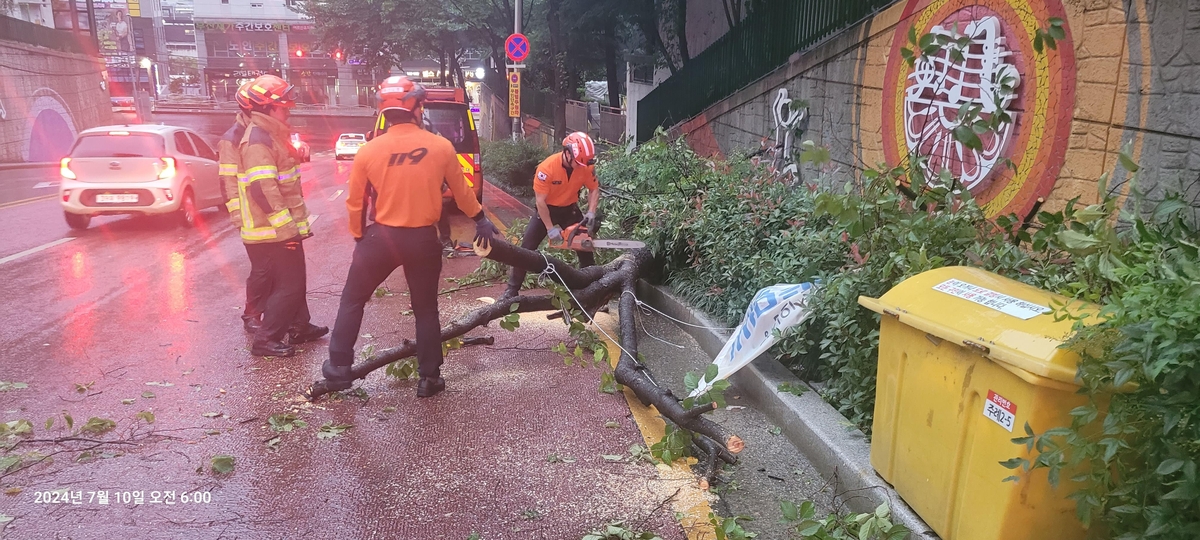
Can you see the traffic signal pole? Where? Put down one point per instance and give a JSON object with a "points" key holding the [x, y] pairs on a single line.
{"points": [[516, 127]]}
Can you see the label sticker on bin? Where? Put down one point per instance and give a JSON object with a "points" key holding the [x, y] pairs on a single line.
{"points": [[1000, 410], [988, 298]]}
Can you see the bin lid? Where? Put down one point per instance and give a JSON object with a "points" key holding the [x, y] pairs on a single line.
{"points": [[1006, 320]]}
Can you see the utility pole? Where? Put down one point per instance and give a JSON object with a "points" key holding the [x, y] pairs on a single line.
{"points": [[516, 128]]}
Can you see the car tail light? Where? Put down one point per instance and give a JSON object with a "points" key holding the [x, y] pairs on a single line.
{"points": [[66, 194], [170, 196], [64, 169], [168, 168], [476, 156]]}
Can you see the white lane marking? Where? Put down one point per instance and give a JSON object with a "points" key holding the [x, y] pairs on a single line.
{"points": [[31, 251], [43, 185], [313, 219], [336, 194]]}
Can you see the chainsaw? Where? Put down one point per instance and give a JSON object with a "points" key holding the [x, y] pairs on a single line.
{"points": [[577, 238]]}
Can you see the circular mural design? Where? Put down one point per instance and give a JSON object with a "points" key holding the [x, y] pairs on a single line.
{"points": [[1018, 163], [50, 132]]}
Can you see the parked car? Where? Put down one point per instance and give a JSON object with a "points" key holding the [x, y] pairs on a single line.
{"points": [[348, 144], [141, 170], [302, 149], [447, 113]]}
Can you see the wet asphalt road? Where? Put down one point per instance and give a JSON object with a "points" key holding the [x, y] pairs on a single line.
{"points": [[135, 314]]}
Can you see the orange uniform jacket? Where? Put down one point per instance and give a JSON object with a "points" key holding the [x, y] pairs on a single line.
{"points": [[551, 180], [406, 167]]}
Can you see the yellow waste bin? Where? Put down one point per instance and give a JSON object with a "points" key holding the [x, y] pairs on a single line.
{"points": [[966, 358]]}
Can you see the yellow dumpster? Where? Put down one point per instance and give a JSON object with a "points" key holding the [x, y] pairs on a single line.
{"points": [[966, 358]]}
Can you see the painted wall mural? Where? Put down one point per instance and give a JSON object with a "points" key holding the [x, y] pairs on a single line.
{"points": [[1019, 163]]}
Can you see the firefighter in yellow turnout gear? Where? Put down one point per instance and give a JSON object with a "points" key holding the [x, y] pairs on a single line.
{"points": [[274, 219]]}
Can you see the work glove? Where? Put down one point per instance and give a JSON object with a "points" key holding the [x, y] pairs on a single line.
{"points": [[589, 221], [555, 233], [485, 231]]}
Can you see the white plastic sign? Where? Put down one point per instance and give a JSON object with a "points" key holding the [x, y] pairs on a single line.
{"points": [[774, 308], [1000, 410], [988, 298]]}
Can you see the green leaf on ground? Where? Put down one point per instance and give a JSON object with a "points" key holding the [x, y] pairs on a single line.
{"points": [[148, 394], [7, 386], [775, 431], [608, 383], [146, 415], [330, 430], [285, 422], [84, 387], [98, 426], [128, 401], [222, 464]]}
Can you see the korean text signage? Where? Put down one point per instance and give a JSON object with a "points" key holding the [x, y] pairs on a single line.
{"points": [[251, 27], [514, 94]]}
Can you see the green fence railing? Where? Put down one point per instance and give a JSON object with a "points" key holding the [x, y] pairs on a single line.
{"points": [[13, 29], [758, 45]]}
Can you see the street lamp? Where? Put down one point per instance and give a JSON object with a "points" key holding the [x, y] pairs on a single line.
{"points": [[147, 64]]}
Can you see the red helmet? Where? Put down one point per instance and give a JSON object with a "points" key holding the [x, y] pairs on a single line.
{"points": [[242, 96], [270, 90], [398, 92], [581, 148]]}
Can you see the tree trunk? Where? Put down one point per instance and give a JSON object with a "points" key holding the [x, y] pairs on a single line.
{"points": [[681, 31], [558, 46], [443, 63], [592, 287], [610, 62], [647, 21], [456, 70]]}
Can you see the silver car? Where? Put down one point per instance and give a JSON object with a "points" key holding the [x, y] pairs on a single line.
{"points": [[138, 169]]}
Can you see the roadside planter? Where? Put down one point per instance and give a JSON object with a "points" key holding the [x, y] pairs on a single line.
{"points": [[966, 359]]}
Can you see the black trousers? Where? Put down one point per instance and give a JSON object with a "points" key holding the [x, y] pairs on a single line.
{"points": [[535, 232], [258, 283], [286, 305], [376, 256]]}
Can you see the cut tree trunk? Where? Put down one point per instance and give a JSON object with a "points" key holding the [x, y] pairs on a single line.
{"points": [[593, 287]]}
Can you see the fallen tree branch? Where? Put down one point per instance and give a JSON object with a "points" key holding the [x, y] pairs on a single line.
{"points": [[592, 287]]}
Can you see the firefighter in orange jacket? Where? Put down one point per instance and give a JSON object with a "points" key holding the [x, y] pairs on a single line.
{"points": [[274, 217], [406, 168], [556, 186]]}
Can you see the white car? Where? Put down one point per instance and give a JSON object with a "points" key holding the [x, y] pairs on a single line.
{"points": [[138, 169], [348, 144]]}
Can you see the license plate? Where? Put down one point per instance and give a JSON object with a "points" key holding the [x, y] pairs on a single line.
{"points": [[117, 198]]}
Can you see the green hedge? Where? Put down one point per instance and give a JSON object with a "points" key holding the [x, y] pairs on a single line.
{"points": [[511, 164], [723, 229]]}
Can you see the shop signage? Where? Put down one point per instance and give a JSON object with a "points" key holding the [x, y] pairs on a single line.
{"points": [[252, 27]]}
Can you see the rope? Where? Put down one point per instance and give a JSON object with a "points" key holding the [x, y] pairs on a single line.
{"points": [[644, 305], [551, 270]]}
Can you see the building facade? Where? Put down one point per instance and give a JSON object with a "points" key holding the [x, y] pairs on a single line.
{"points": [[237, 40]]}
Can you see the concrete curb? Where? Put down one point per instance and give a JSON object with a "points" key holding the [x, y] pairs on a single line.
{"points": [[817, 429]]}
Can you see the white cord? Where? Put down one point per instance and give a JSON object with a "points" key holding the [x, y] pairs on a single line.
{"points": [[550, 268], [647, 332], [644, 305]]}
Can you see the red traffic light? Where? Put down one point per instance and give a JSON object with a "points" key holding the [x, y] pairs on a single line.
{"points": [[299, 53], [337, 55]]}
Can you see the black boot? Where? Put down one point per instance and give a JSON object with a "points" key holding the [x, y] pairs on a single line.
{"points": [[306, 333], [429, 387], [336, 377], [251, 324], [271, 348]]}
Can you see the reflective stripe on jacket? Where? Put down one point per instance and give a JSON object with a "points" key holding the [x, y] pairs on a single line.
{"points": [[269, 197]]}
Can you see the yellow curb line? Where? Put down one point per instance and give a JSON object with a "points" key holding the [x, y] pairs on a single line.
{"points": [[26, 201], [496, 221], [695, 521]]}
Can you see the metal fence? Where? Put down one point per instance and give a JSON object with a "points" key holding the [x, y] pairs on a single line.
{"points": [[755, 47], [612, 124], [12, 29]]}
